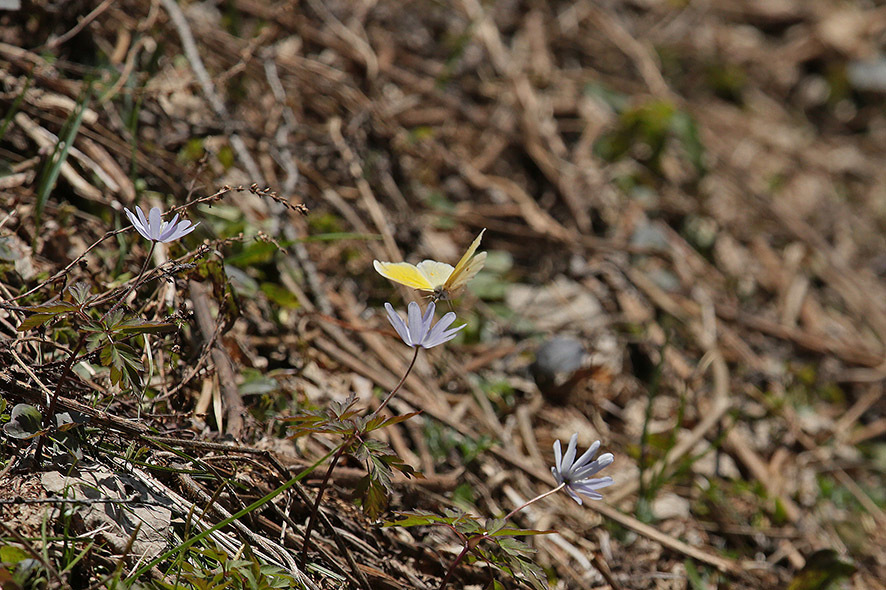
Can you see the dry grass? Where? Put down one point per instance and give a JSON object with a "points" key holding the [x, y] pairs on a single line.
{"points": [[693, 190]]}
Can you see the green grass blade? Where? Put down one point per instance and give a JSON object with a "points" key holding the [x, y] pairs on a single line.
{"points": [[14, 108], [254, 506], [53, 165], [339, 236]]}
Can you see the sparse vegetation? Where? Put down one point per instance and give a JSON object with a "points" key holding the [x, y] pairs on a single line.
{"points": [[689, 194]]}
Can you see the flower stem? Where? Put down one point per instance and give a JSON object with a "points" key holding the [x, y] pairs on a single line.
{"points": [[399, 385], [535, 499], [475, 540], [341, 450], [455, 563], [316, 507], [134, 284]]}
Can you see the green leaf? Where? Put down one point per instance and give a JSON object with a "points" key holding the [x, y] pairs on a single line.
{"points": [[686, 130], [24, 422], [382, 422], [513, 546], [79, 292], [55, 308], [45, 312], [534, 574], [123, 361], [140, 326], [12, 554], [345, 409], [693, 576], [108, 355], [114, 318], [68, 420], [256, 383], [281, 296], [418, 518], [36, 320], [511, 532], [375, 497], [823, 569]]}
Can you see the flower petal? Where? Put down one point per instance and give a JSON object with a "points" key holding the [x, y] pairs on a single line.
{"points": [[155, 223], [428, 318], [398, 323], [184, 228], [174, 232], [596, 483], [558, 455], [129, 214], [414, 323], [168, 229], [576, 473], [142, 218], [136, 222], [587, 455], [439, 334], [570, 456], [574, 495], [591, 468]]}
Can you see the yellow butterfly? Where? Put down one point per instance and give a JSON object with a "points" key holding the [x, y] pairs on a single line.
{"points": [[438, 278]]}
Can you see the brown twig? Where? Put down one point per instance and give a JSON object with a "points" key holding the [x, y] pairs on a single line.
{"points": [[234, 408]]}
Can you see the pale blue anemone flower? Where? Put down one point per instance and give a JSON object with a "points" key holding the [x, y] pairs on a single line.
{"points": [[417, 330], [155, 229], [576, 473]]}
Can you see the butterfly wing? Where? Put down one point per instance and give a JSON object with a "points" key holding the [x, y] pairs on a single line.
{"points": [[437, 273], [467, 273], [467, 267], [403, 273]]}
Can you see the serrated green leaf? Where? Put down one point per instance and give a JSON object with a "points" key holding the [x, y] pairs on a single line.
{"points": [[94, 341], [513, 546], [108, 355], [54, 308], [34, 321], [468, 526], [381, 422], [79, 292], [45, 312], [113, 319], [512, 532], [419, 518], [343, 409], [141, 326], [129, 355], [531, 572], [373, 496]]}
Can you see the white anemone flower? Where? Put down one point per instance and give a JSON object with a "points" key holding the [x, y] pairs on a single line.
{"points": [[576, 473], [153, 228], [417, 330]]}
